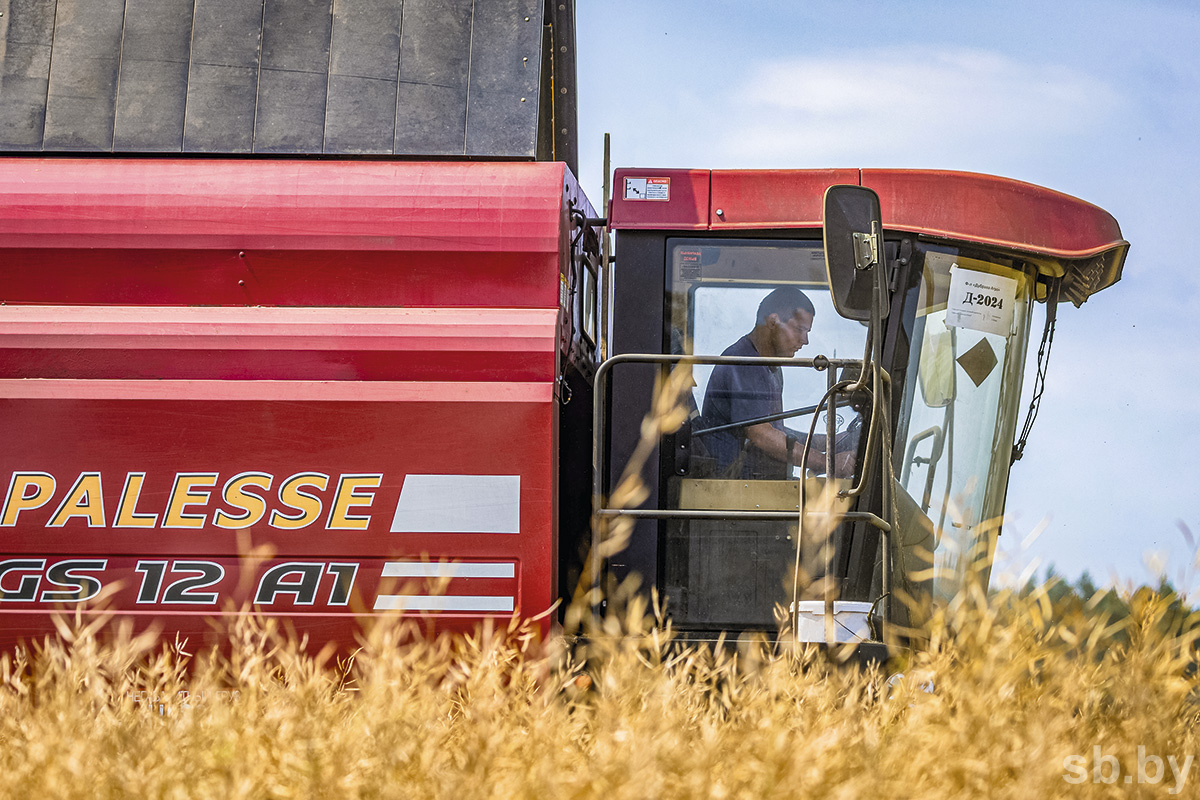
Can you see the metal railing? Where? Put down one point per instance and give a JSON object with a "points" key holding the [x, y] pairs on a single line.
{"points": [[819, 363]]}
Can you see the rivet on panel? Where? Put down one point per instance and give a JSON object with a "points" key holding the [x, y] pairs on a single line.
{"points": [[241, 253], [241, 283], [720, 212]]}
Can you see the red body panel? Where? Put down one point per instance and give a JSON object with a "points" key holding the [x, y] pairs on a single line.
{"points": [[280, 205], [790, 198], [311, 233], [348, 364], [300, 344], [288, 429], [687, 205]]}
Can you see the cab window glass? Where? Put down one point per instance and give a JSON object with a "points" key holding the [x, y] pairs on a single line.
{"points": [[717, 286], [956, 427]]}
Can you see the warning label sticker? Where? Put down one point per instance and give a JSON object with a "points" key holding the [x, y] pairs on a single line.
{"points": [[689, 263], [980, 301], [647, 188]]}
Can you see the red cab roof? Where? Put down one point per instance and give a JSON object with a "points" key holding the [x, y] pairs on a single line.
{"points": [[958, 206]]}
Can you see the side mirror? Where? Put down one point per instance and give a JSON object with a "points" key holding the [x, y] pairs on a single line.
{"points": [[853, 234]]}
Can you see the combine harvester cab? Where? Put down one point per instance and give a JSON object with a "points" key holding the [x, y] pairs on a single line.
{"points": [[304, 387], [922, 286]]}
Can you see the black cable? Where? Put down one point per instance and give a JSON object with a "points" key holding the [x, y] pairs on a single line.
{"points": [[1043, 362]]}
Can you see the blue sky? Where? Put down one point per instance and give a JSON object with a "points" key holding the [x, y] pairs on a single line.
{"points": [[1099, 99]]}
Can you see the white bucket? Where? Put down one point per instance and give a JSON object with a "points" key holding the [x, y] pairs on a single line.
{"points": [[849, 620]]}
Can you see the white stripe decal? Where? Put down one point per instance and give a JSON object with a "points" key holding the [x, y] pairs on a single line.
{"points": [[418, 569], [459, 504], [420, 602]]}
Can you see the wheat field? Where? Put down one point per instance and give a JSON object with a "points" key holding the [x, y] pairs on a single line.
{"points": [[1010, 697]]}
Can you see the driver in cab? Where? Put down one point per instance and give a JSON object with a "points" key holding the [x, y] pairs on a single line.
{"points": [[746, 392]]}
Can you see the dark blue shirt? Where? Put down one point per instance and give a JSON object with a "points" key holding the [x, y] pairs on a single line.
{"points": [[736, 393]]}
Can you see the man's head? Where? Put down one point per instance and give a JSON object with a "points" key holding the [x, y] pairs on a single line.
{"points": [[785, 316]]}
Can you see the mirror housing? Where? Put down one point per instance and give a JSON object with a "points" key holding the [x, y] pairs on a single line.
{"points": [[853, 236]]}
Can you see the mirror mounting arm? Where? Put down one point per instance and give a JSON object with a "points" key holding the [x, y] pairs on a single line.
{"points": [[866, 248]]}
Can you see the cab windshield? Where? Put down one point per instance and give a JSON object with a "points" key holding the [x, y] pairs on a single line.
{"points": [[961, 392]]}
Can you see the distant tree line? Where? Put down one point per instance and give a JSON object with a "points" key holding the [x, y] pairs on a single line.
{"points": [[1170, 613]]}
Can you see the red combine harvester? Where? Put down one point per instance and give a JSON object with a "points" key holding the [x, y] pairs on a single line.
{"points": [[332, 388], [383, 372]]}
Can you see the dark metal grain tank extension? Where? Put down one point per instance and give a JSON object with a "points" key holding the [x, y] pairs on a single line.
{"points": [[425, 78]]}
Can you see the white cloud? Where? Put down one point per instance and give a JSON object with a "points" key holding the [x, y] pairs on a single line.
{"points": [[910, 105]]}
